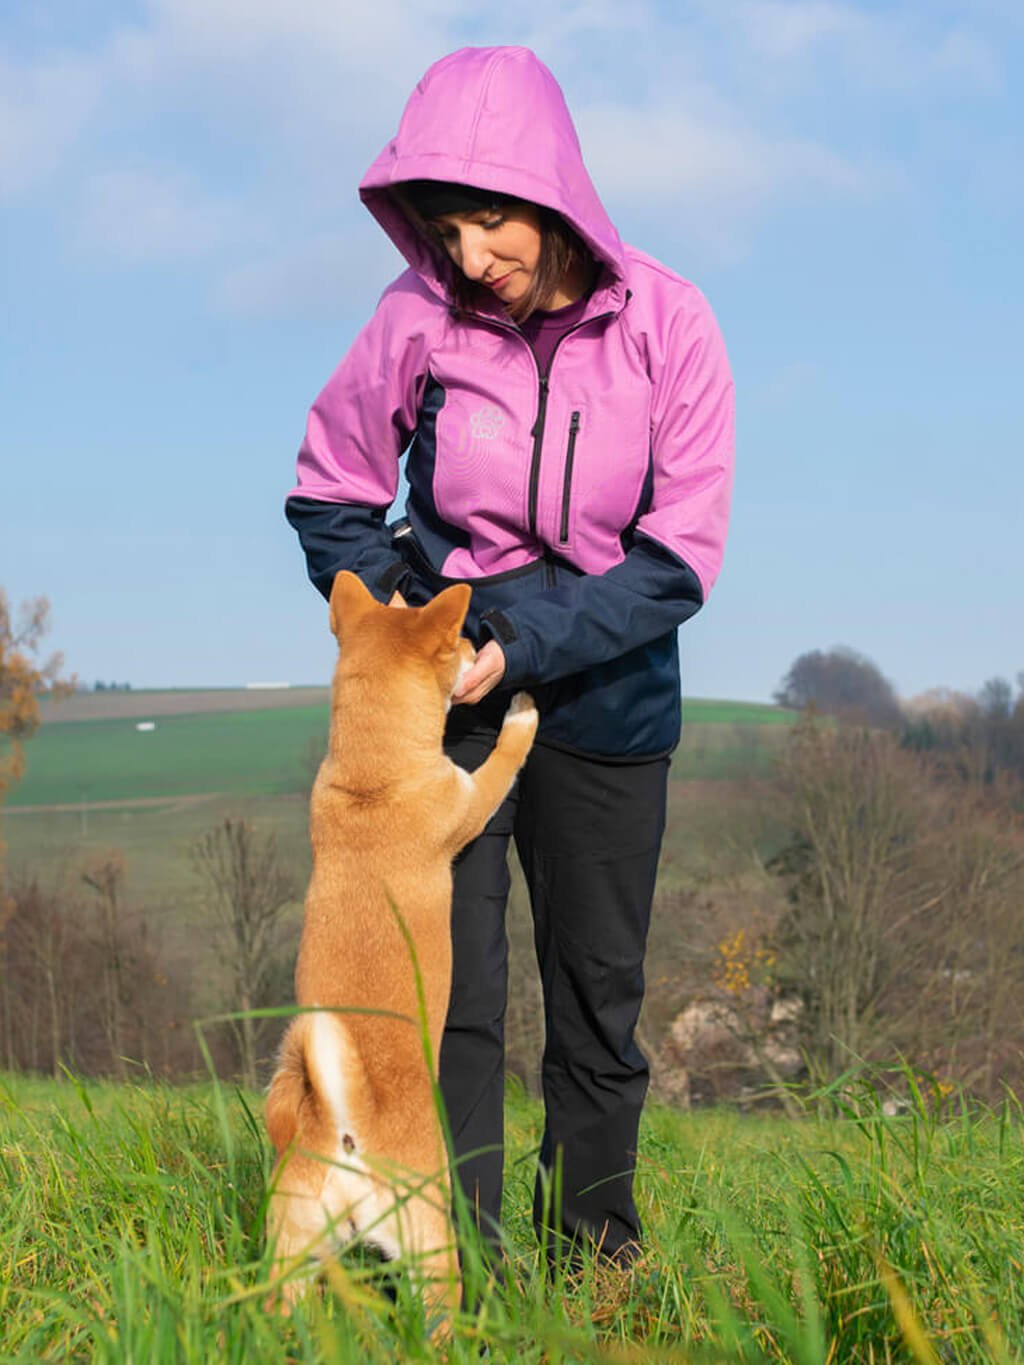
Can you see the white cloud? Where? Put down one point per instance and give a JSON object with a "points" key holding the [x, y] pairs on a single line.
{"points": [[154, 216], [43, 109], [566, 30], [783, 30], [667, 153], [891, 51], [294, 74], [304, 94], [308, 60], [338, 275], [787, 387], [964, 58]]}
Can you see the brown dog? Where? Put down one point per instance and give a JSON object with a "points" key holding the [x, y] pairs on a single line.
{"points": [[351, 1107]]}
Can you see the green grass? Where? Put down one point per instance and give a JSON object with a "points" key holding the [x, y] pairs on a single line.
{"points": [[131, 1230], [702, 711], [255, 753], [268, 752]]}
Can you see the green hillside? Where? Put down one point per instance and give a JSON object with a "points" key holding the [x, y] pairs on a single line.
{"points": [[271, 750], [705, 711], [258, 753]]}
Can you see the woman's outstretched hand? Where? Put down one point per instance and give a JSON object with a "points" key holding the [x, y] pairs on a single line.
{"points": [[487, 671]]}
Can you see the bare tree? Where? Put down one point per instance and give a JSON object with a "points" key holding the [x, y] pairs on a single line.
{"points": [[248, 890], [902, 930], [33, 1001], [977, 991], [853, 805], [8, 910], [90, 991], [48, 946], [104, 875]]}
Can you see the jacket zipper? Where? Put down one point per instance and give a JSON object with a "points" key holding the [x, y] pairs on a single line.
{"points": [[537, 430], [570, 455], [542, 408]]}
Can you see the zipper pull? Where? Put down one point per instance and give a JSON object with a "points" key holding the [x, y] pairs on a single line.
{"points": [[538, 426]]}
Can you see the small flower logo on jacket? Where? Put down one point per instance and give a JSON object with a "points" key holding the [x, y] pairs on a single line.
{"points": [[486, 423]]}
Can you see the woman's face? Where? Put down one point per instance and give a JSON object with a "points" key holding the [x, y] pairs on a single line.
{"points": [[498, 248]]}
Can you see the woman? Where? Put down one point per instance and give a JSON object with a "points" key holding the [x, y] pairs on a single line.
{"points": [[566, 403]]}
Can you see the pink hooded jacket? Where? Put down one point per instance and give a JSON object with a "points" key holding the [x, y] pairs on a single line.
{"points": [[587, 506]]}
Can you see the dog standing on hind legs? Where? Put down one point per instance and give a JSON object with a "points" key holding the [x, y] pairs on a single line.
{"points": [[351, 1109]]}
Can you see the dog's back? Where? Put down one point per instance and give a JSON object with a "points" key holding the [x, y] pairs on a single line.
{"points": [[351, 1108]]}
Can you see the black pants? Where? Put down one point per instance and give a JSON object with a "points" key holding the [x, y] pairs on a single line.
{"points": [[588, 835]]}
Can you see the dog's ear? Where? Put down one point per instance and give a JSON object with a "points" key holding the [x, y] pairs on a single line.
{"points": [[446, 613], [349, 600]]}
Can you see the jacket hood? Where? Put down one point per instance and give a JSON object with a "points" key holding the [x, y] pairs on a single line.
{"points": [[494, 118]]}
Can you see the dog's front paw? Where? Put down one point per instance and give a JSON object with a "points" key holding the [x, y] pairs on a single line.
{"points": [[521, 707], [519, 726], [521, 718]]}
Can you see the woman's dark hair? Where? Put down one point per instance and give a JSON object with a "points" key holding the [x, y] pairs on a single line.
{"points": [[562, 250]]}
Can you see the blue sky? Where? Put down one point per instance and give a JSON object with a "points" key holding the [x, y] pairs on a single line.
{"points": [[185, 260]]}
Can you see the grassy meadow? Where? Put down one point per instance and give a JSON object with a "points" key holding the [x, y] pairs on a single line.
{"points": [[131, 1230]]}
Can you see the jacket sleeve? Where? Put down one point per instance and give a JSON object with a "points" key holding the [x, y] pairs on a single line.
{"points": [[594, 618], [676, 553], [357, 429]]}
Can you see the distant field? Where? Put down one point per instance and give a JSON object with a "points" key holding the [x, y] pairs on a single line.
{"points": [[255, 753], [253, 744], [703, 711], [178, 701]]}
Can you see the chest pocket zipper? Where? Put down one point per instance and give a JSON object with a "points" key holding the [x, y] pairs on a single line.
{"points": [[570, 455]]}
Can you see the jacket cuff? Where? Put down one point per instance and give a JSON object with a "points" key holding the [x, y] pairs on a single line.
{"points": [[395, 578], [495, 625]]}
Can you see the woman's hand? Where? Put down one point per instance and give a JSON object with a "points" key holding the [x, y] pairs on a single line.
{"points": [[487, 671]]}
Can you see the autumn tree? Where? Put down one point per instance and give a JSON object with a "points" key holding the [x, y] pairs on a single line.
{"points": [[23, 675], [247, 891]]}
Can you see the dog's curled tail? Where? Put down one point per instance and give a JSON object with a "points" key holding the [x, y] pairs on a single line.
{"points": [[318, 1081]]}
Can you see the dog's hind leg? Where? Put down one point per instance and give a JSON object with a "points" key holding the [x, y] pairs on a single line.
{"points": [[313, 1117]]}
